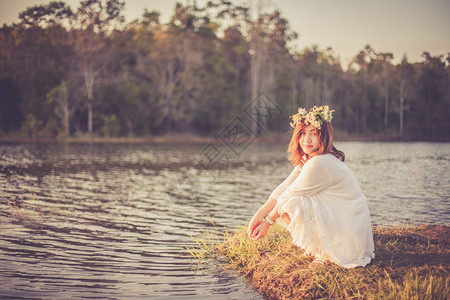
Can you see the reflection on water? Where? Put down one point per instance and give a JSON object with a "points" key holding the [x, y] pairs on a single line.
{"points": [[112, 221], [403, 182]]}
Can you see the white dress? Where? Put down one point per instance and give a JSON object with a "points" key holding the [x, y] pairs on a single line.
{"points": [[329, 215]]}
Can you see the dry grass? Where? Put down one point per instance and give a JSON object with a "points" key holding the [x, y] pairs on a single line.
{"points": [[410, 263]]}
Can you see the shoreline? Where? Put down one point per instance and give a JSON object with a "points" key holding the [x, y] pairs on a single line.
{"points": [[186, 139], [410, 263]]}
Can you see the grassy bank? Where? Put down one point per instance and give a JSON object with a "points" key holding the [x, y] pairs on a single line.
{"points": [[410, 263]]}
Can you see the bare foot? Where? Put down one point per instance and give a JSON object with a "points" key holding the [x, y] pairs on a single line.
{"points": [[317, 262]]}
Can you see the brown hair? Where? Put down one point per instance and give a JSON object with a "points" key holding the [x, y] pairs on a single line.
{"points": [[296, 154]]}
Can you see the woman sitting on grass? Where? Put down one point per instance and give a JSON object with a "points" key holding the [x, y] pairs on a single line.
{"points": [[320, 203]]}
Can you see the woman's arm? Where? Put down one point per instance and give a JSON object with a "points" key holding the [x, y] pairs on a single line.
{"points": [[271, 202], [260, 214], [286, 183], [314, 178], [261, 230]]}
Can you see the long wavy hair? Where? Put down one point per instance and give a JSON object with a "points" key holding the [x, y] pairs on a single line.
{"points": [[296, 154]]}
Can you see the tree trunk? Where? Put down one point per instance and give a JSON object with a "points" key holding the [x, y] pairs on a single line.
{"points": [[90, 126], [256, 46], [267, 84], [402, 100], [308, 89], [65, 108], [255, 69], [324, 86], [130, 127], [89, 82], [386, 106], [294, 95]]}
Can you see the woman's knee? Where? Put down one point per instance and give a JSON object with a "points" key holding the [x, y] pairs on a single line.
{"points": [[286, 218]]}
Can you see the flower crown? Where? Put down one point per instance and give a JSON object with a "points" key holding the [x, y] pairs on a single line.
{"points": [[315, 117]]}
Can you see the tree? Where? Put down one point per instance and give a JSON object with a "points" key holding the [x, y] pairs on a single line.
{"points": [[382, 67], [60, 96], [11, 116], [35, 49], [45, 15], [269, 35], [94, 20], [365, 103], [405, 74], [65, 73], [432, 110]]}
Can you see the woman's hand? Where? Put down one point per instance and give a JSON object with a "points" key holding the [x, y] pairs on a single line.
{"points": [[260, 231], [258, 217], [254, 222]]}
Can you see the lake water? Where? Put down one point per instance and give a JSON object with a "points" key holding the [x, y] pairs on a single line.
{"points": [[113, 221]]}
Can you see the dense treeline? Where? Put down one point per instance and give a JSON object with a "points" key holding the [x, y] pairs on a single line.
{"points": [[66, 72]]}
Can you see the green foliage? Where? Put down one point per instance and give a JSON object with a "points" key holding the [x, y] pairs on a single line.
{"points": [[31, 126], [196, 73]]}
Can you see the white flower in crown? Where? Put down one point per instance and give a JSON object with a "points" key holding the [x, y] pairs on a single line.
{"points": [[315, 117], [297, 118], [326, 110], [302, 111]]}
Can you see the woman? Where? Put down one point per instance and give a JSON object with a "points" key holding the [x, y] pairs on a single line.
{"points": [[320, 203]]}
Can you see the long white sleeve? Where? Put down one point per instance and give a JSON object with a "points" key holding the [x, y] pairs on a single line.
{"points": [[286, 183], [315, 177]]}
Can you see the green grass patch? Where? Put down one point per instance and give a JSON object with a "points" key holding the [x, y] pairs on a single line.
{"points": [[410, 263]]}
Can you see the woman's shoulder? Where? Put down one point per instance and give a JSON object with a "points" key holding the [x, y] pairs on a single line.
{"points": [[313, 162], [323, 160], [330, 157]]}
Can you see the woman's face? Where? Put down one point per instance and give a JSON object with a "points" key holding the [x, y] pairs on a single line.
{"points": [[309, 140]]}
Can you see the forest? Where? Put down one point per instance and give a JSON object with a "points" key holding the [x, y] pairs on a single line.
{"points": [[73, 72]]}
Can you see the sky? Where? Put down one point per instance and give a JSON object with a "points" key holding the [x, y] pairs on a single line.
{"points": [[398, 26]]}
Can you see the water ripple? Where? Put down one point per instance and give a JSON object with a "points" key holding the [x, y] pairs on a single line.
{"points": [[89, 221]]}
